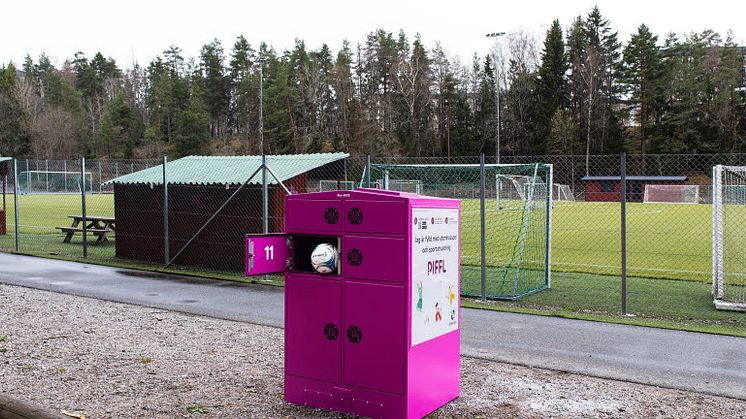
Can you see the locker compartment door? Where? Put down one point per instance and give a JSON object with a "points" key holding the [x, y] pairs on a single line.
{"points": [[313, 332], [372, 257], [313, 215], [377, 217], [374, 336]]}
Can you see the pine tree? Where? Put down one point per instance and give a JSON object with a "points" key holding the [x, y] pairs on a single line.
{"points": [[605, 43], [216, 85], [347, 105], [193, 127], [486, 108], [551, 84], [642, 79], [14, 134]]}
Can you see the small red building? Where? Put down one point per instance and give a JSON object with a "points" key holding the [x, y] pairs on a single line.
{"points": [[608, 188]]}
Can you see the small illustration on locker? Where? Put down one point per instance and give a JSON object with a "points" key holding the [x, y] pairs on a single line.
{"points": [[438, 313], [419, 296], [451, 295]]}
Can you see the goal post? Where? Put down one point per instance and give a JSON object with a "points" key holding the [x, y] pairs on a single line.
{"points": [[53, 182], [728, 240], [672, 194], [516, 243]]}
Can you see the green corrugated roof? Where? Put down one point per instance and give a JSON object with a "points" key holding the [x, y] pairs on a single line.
{"points": [[4, 159], [231, 170]]}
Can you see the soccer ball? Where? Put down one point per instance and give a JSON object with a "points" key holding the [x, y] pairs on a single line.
{"points": [[325, 258]]}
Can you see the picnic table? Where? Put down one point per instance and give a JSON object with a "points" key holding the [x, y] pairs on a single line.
{"points": [[98, 226]]}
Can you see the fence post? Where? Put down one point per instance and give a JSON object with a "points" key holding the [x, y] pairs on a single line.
{"points": [[367, 171], [100, 181], [46, 175], [548, 244], [265, 195], [166, 246], [82, 201], [15, 204], [623, 201], [483, 226]]}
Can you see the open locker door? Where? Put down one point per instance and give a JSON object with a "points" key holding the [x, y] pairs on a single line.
{"points": [[267, 254]]}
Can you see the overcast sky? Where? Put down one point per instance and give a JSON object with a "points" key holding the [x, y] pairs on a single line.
{"points": [[139, 30]]}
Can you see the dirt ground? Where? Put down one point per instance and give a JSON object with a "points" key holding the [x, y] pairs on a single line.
{"points": [[111, 360]]}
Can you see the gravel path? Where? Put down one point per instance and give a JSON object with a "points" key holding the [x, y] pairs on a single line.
{"points": [[110, 360]]}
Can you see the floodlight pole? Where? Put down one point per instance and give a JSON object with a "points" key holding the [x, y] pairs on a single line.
{"points": [[261, 106], [497, 94]]}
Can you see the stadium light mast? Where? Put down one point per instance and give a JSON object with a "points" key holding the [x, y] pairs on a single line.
{"points": [[497, 94], [261, 105]]}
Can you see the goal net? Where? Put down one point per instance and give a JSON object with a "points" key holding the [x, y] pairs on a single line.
{"points": [[516, 243], [400, 185], [675, 194], [728, 240], [336, 185], [562, 193], [45, 181], [511, 190]]}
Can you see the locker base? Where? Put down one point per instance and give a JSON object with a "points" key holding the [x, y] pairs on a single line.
{"points": [[340, 398]]}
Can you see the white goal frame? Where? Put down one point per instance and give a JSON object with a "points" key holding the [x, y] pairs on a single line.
{"points": [[518, 188], [725, 300], [562, 192], [411, 185], [71, 187], [671, 190]]}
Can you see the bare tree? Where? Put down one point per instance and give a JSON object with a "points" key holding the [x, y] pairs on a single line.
{"points": [[590, 75], [55, 134]]}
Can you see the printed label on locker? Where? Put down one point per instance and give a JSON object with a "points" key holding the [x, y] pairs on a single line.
{"points": [[435, 272]]}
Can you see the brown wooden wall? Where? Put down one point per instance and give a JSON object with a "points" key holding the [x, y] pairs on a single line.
{"points": [[139, 214]]}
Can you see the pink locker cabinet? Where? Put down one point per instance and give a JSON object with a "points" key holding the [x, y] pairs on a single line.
{"points": [[380, 336]]}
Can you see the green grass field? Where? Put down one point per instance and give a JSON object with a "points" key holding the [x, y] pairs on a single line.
{"points": [[669, 255]]}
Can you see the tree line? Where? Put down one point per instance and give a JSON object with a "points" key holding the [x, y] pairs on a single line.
{"points": [[581, 91]]}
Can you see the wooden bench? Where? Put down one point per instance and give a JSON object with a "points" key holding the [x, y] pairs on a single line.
{"points": [[99, 232], [98, 226]]}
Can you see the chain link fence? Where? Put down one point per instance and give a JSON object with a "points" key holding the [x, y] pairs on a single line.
{"points": [[214, 201]]}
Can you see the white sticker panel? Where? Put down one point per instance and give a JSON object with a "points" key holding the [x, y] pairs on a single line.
{"points": [[435, 272]]}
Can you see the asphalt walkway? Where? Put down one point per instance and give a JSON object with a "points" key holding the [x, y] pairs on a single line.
{"points": [[683, 360]]}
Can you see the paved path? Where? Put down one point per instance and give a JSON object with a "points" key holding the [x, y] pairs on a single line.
{"points": [[690, 361]]}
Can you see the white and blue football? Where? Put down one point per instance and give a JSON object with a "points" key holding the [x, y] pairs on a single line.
{"points": [[325, 258]]}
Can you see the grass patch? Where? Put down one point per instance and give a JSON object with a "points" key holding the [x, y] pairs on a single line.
{"points": [[668, 250], [196, 409]]}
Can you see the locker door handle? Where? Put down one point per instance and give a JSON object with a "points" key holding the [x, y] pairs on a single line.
{"points": [[354, 334], [355, 257], [331, 331]]}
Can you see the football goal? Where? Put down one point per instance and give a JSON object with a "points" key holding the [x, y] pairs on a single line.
{"points": [[674, 194], [336, 185], [58, 182], [562, 193], [728, 240], [400, 185], [512, 246]]}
